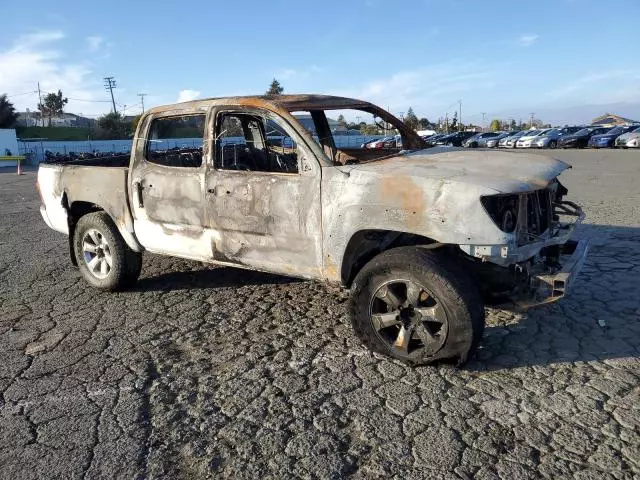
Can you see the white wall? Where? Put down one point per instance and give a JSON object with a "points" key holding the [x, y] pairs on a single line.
{"points": [[8, 140]]}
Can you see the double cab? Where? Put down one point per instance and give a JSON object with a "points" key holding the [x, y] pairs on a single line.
{"points": [[423, 237]]}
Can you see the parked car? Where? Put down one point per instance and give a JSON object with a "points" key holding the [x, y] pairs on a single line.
{"points": [[473, 141], [580, 139], [550, 138], [431, 140], [527, 140], [421, 249], [629, 140], [607, 140], [368, 142], [454, 139], [510, 140], [492, 142], [395, 142], [379, 143]]}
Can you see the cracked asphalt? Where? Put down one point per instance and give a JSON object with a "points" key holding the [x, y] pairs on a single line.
{"points": [[214, 372]]}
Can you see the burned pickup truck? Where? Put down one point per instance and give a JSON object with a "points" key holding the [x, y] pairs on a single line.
{"points": [[423, 238]]}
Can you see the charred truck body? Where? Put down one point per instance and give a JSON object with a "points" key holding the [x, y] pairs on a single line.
{"points": [[423, 237]]}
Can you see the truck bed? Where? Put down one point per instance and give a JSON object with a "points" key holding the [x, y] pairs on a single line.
{"points": [[91, 183], [107, 161]]}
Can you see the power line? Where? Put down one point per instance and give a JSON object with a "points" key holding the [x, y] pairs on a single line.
{"points": [[19, 94], [110, 84]]}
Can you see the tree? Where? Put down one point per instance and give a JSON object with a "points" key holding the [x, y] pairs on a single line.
{"points": [[341, 121], [134, 122], [495, 125], [513, 126], [53, 105], [112, 126], [454, 122], [424, 123], [275, 88], [8, 115], [411, 120]]}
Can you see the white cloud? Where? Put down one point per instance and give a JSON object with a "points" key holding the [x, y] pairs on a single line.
{"points": [[39, 57], [94, 43], [33, 39], [187, 95], [528, 40], [297, 73], [603, 87], [427, 89]]}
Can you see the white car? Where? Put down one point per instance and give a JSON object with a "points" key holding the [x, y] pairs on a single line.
{"points": [[527, 140], [629, 140]]}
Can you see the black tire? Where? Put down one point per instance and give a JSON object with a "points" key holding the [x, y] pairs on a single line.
{"points": [[442, 282], [126, 264], [553, 144]]}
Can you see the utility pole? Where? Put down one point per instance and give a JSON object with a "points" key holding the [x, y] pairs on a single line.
{"points": [[110, 84], [483, 114], [40, 97], [531, 122], [460, 115], [142, 95], [446, 122]]}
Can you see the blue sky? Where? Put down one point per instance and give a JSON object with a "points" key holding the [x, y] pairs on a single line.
{"points": [[505, 58]]}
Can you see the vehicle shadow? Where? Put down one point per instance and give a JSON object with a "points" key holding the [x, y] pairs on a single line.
{"points": [[598, 320], [213, 277]]}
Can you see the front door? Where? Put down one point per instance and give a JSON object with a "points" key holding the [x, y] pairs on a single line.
{"points": [[263, 195], [167, 182]]}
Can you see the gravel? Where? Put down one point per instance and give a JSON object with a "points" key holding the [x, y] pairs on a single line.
{"points": [[216, 372]]}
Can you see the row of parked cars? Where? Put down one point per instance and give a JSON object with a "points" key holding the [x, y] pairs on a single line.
{"points": [[623, 136]]}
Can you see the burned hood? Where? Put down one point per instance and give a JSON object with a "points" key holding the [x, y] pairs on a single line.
{"points": [[500, 172]]}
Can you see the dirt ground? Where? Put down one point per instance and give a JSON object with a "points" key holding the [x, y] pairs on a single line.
{"points": [[217, 372]]}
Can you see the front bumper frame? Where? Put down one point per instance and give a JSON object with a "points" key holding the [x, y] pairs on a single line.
{"points": [[547, 287]]}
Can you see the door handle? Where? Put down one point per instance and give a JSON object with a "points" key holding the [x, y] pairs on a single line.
{"points": [[139, 188]]}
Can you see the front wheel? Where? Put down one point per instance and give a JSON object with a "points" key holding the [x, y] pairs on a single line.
{"points": [[417, 306], [553, 144], [104, 259]]}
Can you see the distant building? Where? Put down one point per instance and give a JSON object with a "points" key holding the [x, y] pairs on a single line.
{"points": [[611, 120], [33, 119]]}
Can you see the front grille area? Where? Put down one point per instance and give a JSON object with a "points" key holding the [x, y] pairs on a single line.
{"points": [[539, 211]]}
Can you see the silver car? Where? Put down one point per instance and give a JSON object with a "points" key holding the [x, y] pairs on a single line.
{"points": [[629, 140], [511, 139], [527, 141], [492, 142], [550, 139]]}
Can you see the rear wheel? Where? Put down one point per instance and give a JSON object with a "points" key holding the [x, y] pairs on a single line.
{"points": [[103, 257], [553, 144], [417, 306]]}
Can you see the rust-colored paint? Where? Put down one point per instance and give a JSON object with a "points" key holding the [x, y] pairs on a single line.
{"points": [[408, 194]]}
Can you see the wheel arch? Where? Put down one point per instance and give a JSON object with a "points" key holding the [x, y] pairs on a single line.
{"points": [[78, 209], [365, 244]]}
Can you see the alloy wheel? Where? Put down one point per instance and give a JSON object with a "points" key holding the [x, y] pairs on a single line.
{"points": [[408, 318], [97, 253]]}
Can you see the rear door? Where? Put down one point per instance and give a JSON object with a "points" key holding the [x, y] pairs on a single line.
{"points": [[167, 186]]}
